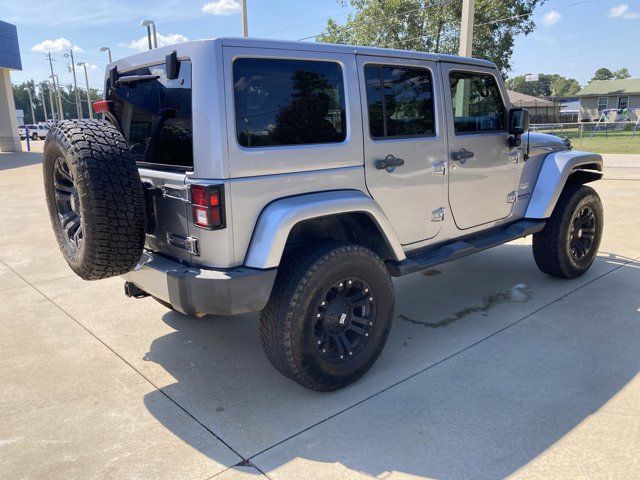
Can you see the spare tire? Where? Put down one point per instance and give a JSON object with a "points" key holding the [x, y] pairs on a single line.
{"points": [[95, 198]]}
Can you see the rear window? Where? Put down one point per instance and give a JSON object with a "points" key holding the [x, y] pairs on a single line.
{"points": [[155, 116], [288, 102]]}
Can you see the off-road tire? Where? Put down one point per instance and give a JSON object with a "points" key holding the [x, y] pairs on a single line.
{"points": [[551, 246], [109, 193], [287, 322]]}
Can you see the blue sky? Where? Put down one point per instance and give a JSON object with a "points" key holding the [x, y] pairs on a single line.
{"points": [[573, 38]]}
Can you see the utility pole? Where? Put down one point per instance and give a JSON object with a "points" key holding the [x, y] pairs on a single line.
{"points": [[44, 104], [86, 78], [75, 84], [53, 110], [57, 87], [33, 113], [245, 28], [466, 28]]}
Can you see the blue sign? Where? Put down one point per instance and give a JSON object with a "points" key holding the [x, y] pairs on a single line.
{"points": [[9, 48]]}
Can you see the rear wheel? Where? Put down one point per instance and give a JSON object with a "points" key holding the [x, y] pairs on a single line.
{"points": [[34, 136], [329, 315], [568, 245]]}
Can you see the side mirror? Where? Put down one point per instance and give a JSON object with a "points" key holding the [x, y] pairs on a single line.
{"points": [[518, 121]]}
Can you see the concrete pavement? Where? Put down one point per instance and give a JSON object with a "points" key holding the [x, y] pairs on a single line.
{"points": [[492, 370]]}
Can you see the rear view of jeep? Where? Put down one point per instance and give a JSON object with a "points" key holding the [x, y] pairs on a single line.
{"points": [[232, 175]]}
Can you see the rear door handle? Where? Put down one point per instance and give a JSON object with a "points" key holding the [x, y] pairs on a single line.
{"points": [[462, 155], [389, 162]]}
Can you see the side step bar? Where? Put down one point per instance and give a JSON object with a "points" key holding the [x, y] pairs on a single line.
{"points": [[462, 248]]}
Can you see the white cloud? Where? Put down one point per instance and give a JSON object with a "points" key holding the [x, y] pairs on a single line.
{"points": [[163, 41], [58, 45], [222, 7], [550, 18], [90, 66], [622, 11]]}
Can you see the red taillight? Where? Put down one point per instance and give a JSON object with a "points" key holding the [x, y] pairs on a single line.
{"points": [[101, 106], [207, 204]]}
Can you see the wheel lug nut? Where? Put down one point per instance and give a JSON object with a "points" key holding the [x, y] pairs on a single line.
{"points": [[324, 350], [371, 299], [341, 285], [370, 323], [366, 334], [319, 342], [350, 353], [366, 290], [350, 282], [341, 356], [318, 315], [323, 303]]}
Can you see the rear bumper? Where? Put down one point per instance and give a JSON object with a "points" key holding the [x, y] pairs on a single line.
{"points": [[193, 290]]}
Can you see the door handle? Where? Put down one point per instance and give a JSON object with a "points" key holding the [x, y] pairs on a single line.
{"points": [[462, 155], [389, 162]]}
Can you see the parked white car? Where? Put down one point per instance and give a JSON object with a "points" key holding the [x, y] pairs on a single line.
{"points": [[35, 131]]}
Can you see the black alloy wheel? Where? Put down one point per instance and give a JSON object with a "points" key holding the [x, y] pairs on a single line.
{"points": [[583, 233], [67, 204], [344, 320]]}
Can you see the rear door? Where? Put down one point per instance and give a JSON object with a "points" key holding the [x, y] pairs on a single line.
{"points": [[403, 124], [156, 119], [482, 176]]}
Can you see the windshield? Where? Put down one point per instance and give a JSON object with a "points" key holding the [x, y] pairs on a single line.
{"points": [[155, 116]]}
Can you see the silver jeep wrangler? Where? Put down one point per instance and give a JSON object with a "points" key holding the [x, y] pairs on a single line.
{"points": [[294, 179]]}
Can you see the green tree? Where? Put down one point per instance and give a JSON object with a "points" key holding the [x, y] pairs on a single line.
{"points": [[622, 73], [434, 26], [602, 74], [548, 85], [67, 94]]}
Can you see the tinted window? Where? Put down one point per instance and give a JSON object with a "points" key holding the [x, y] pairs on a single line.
{"points": [[288, 102], [477, 104], [400, 101], [156, 115]]}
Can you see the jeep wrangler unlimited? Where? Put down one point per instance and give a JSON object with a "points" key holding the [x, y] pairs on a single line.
{"points": [[237, 175]]}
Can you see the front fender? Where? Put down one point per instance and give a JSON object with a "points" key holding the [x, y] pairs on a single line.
{"points": [[279, 217], [553, 176]]}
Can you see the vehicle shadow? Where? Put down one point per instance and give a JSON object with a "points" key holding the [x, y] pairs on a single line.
{"points": [[9, 161], [484, 413]]}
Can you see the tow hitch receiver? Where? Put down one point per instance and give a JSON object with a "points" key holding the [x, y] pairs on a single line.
{"points": [[131, 291]]}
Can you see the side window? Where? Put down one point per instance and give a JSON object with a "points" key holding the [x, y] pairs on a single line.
{"points": [[603, 103], [288, 102], [400, 101], [477, 103]]}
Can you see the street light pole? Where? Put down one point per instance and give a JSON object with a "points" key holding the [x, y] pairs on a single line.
{"points": [[107, 49], [33, 113], [149, 24], [86, 78], [245, 28], [75, 85], [466, 28]]}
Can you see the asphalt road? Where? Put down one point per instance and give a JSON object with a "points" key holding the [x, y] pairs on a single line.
{"points": [[492, 370]]}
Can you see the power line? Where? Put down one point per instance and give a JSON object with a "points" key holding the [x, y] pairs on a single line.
{"points": [[423, 8], [513, 17]]}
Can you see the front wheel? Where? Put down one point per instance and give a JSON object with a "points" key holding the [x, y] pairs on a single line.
{"points": [[329, 315], [569, 243], [34, 136]]}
